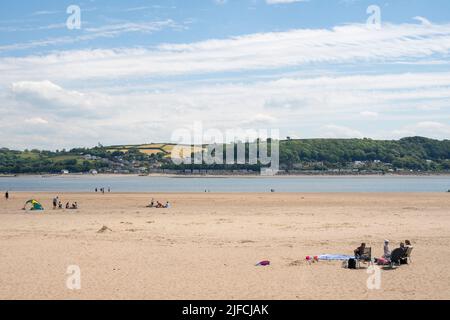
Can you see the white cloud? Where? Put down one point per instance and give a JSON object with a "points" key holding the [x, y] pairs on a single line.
{"points": [[315, 107], [434, 126], [423, 20], [36, 120], [345, 44], [259, 119], [46, 96], [92, 33], [432, 129], [369, 114]]}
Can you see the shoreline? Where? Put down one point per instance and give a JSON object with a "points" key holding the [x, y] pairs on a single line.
{"points": [[194, 176]]}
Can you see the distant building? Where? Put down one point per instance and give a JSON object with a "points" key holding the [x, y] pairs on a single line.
{"points": [[89, 157], [358, 163]]}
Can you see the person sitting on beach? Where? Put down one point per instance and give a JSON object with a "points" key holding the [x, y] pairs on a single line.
{"points": [[67, 205], [360, 250], [60, 205], [75, 206], [152, 204], [408, 244], [386, 258], [167, 206], [405, 247], [159, 205], [386, 250]]}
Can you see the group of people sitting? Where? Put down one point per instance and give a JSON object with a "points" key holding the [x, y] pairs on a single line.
{"points": [[57, 204], [159, 205], [398, 256]]}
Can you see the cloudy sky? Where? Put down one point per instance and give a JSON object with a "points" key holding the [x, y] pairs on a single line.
{"points": [[138, 70]]}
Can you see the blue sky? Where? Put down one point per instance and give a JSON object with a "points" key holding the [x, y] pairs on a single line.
{"points": [[138, 70]]}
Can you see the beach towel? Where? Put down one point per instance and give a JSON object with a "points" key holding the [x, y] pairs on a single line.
{"points": [[335, 257]]}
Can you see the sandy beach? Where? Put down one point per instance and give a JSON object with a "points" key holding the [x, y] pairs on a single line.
{"points": [[206, 246]]}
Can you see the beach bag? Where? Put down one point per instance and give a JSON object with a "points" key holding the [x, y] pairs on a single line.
{"points": [[351, 264]]}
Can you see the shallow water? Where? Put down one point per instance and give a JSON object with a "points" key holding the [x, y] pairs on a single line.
{"points": [[230, 184]]}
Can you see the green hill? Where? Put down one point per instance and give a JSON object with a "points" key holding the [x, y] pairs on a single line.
{"points": [[346, 155]]}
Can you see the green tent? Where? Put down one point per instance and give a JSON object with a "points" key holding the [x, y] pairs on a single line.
{"points": [[35, 205]]}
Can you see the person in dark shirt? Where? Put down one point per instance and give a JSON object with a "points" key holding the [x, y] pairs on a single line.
{"points": [[7, 195], [360, 250]]}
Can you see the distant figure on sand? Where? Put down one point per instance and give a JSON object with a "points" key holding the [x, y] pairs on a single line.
{"points": [[60, 205], [96, 190], [67, 205], [6, 195], [152, 204], [167, 206], [55, 202]]}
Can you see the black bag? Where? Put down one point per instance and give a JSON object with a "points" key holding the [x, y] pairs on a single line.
{"points": [[352, 263]]}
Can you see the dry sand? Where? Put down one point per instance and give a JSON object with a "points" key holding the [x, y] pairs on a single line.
{"points": [[207, 245]]}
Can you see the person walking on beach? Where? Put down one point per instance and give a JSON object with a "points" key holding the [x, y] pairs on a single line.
{"points": [[7, 195]]}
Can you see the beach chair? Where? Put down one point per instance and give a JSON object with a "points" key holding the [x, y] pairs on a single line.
{"points": [[366, 257], [407, 256]]}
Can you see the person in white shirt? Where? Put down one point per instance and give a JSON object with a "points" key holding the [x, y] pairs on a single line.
{"points": [[387, 251]]}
